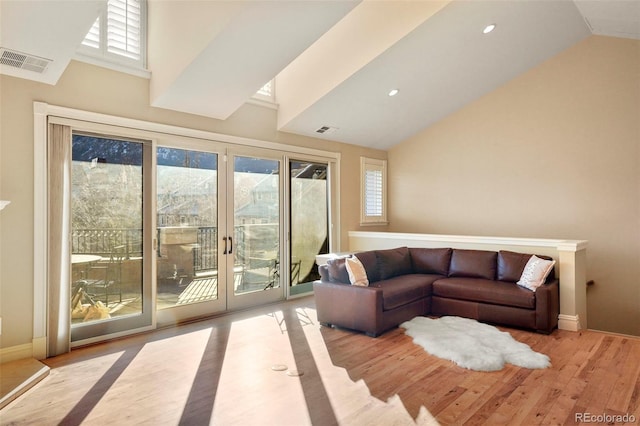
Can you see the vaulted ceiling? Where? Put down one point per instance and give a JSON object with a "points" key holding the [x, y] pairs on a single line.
{"points": [[334, 62]]}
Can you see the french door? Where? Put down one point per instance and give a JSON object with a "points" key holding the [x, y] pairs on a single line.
{"points": [[219, 229], [190, 280], [254, 245]]}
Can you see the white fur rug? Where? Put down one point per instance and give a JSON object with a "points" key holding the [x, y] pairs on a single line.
{"points": [[471, 344]]}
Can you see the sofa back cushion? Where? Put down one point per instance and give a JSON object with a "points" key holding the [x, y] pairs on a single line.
{"points": [[430, 260], [370, 262], [473, 264], [337, 270], [511, 265], [393, 262]]}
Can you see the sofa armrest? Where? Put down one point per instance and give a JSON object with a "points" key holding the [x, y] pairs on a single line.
{"points": [[354, 307], [547, 306]]}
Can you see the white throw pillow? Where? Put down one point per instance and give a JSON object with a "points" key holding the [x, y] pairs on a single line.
{"points": [[535, 272], [355, 269]]}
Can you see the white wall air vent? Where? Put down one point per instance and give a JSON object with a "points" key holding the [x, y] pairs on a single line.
{"points": [[23, 61], [326, 129]]}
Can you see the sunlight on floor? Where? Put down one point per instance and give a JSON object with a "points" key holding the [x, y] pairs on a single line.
{"points": [[220, 372], [363, 409], [249, 390]]}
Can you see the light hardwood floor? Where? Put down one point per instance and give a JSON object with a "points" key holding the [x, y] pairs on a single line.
{"points": [[221, 371]]}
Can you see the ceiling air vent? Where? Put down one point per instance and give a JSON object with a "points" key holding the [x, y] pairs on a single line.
{"points": [[23, 61], [326, 129]]}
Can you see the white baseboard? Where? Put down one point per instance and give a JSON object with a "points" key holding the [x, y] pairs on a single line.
{"points": [[15, 353], [569, 322]]}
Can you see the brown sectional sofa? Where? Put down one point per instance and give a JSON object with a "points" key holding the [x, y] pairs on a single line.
{"points": [[406, 282]]}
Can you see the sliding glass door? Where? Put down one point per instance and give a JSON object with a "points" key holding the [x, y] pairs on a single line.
{"points": [[110, 290], [166, 228], [218, 227]]}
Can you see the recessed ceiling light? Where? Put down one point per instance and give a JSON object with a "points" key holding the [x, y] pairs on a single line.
{"points": [[489, 28], [393, 92]]}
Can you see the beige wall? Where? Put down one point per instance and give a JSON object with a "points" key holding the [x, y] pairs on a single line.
{"points": [[552, 154], [100, 90]]}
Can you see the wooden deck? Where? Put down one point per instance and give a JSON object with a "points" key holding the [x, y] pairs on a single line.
{"points": [[199, 290], [221, 371]]}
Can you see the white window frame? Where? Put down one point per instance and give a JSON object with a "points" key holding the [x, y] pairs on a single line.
{"points": [[368, 165], [102, 57]]}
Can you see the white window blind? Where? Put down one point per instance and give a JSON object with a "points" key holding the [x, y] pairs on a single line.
{"points": [[124, 28], [267, 92], [373, 191], [118, 33], [93, 36]]}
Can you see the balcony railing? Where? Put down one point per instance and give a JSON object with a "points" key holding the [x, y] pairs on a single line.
{"points": [[205, 252], [100, 241], [249, 241]]}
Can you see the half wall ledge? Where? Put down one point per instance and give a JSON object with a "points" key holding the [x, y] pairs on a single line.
{"points": [[570, 257]]}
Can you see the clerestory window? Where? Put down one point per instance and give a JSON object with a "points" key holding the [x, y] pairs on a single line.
{"points": [[267, 93], [118, 34]]}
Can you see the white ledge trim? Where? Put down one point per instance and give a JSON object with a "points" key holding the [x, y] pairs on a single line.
{"points": [[561, 245]]}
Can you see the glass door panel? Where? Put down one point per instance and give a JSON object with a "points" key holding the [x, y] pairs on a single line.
{"points": [[308, 221], [254, 248], [188, 269], [187, 250], [108, 290]]}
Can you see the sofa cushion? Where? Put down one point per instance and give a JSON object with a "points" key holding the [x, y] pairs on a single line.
{"points": [[398, 291], [473, 264], [535, 273], [338, 270], [357, 274], [431, 260], [485, 291], [370, 262], [511, 265], [393, 262]]}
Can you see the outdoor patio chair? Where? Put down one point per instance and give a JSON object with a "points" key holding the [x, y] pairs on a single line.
{"points": [[106, 278]]}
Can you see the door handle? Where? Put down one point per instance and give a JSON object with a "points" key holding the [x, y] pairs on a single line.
{"points": [[225, 245], [231, 245]]}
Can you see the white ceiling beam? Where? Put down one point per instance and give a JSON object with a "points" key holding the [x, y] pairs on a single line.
{"points": [[251, 43], [364, 34]]}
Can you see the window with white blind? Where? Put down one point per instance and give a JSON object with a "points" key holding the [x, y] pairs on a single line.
{"points": [[266, 90], [118, 34], [267, 93], [373, 192]]}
